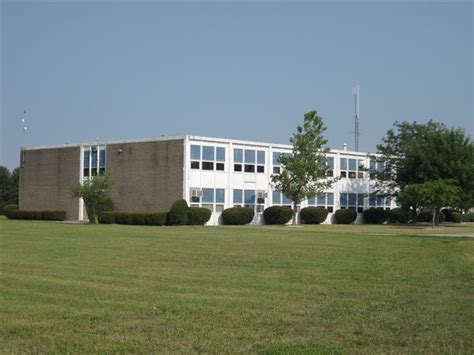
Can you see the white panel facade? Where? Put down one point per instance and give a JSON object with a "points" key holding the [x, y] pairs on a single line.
{"points": [[222, 173]]}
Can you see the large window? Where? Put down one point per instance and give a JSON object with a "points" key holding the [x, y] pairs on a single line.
{"points": [[352, 168], [276, 161], [352, 201], [380, 201], [330, 163], [250, 198], [376, 167], [212, 199], [249, 160], [207, 157], [94, 161], [326, 200], [279, 199]]}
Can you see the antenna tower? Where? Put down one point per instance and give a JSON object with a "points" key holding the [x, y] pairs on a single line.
{"points": [[355, 93]]}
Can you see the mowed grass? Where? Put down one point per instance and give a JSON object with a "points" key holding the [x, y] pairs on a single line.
{"points": [[323, 289]]}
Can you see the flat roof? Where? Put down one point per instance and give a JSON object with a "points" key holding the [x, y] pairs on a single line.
{"points": [[190, 137]]}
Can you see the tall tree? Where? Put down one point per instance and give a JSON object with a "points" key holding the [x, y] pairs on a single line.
{"points": [[95, 192], [304, 172], [9, 185], [417, 153]]}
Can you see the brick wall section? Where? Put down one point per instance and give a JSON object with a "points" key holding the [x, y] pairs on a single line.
{"points": [[46, 179], [148, 176]]}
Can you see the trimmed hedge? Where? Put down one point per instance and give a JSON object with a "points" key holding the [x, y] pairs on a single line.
{"points": [[198, 216], [277, 215], [399, 215], [313, 215], [456, 217], [468, 217], [133, 218], [36, 215], [7, 208], [178, 214], [427, 216], [375, 215], [345, 216], [237, 216]]}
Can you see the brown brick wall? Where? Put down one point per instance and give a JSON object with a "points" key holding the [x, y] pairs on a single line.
{"points": [[46, 179], [148, 176]]}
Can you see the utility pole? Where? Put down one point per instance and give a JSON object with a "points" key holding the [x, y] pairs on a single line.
{"points": [[355, 93]]}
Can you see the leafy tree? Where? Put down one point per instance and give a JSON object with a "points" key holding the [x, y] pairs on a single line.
{"points": [[417, 153], [304, 172], [434, 194], [9, 182], [95, 193]]}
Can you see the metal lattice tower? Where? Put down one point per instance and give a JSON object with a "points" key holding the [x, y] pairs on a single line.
{"points": [[355, 93]]}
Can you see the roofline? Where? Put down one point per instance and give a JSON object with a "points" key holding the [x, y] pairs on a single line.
{"points": [[192, 137]]}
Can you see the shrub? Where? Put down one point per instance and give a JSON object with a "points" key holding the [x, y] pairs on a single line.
{"points": [[178, 214], [427, 216], [277, 215], [198, 216], [456, 217], [36, 215], [9, 208], [375, 215], [447, 214], [469, 217], [123, 218], [399, 215], [313, 215], [107, 217], [107, 205], [138, 218], [345, 216], [156, 219], [237, 216]]}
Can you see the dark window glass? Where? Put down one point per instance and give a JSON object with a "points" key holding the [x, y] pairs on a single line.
{"points": [[372, 165], [352, 199], [276, 198], [260, 169], [260, 157], [343, 163], [276, 170], [360, 175], [238, 155], [388, 200], [237, 167], [237, 196], [360, 209], [372, 199], [207, 153], [276, 158], [352, 175], [286, 201], [220, 154], [87, 156], [261, 200], [380, 200], [249, 168], [94, 158], [101, 171], [330, 198], [207, 165], [329, 173], [343, 199], [94, 171], [196, 152], [250, 156], [102, 158], [220, 166], [208, 195], [220, 195], [353, 164], [195, 199], [360, 199], [330, 209], [86, 172], [343, 174], [249, 196], [194, 165]]}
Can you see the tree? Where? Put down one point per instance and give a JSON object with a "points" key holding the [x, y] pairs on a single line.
{"points": [[95, 193], [304, 172], [434, 194], [417, 153], [9, 183]]}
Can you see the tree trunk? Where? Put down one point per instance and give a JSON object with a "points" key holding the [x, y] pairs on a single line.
{"points": [[293, 221], [433, 222]]}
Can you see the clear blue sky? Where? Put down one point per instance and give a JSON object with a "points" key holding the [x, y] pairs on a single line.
{"points": [[235, 70]]}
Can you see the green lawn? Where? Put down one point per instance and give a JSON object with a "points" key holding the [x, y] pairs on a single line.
{"points": [[330, 289]]}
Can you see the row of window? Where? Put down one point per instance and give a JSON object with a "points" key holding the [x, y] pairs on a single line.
{"points": [[256, 199], [94, 161]]}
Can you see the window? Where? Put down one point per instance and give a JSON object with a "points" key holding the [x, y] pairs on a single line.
{"points": [[376, 167], [207, 157], [326, 200], [276, 161], [279, 199], [212, 199], [380, 201], [247, 198], [94, 161], [238, 198], [253, 161], [260, 161], [352, 200], [330, 164], [352, 168], [238, 159]]}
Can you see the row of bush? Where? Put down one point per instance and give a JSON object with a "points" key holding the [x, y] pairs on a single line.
{"points": [[12, 212], [179, 214]]}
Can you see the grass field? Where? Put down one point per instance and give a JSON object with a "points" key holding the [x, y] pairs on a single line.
{"points": [[323, 289]]}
